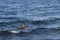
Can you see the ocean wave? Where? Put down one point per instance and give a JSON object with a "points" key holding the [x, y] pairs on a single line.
{"points": [[38, 31], [51, 20], [6, 16]]}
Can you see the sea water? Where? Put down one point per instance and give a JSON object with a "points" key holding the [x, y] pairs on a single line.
{"points": [[41, 15]]}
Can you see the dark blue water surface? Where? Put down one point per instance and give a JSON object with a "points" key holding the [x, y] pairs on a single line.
{"points": [[43, 15]]}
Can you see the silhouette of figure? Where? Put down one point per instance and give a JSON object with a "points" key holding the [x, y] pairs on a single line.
{"points": [[23, 25]]}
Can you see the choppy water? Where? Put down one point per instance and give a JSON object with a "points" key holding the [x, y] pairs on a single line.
{"points": [[43, 15]]}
